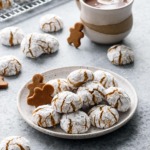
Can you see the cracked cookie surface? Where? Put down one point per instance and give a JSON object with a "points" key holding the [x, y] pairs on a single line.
{"points": [[36, 44], [45, 116], [75, 123], [105, 78], [118, 98], [15, 143], [66, 102], [51, 23], [120, 55], [11, 36], [91, 93], [59, 85], [78, 77], [103, 116], [9, 66], [6, 4]]}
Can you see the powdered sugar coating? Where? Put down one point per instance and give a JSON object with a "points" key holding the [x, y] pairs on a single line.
{"points": [[105, 78], [66, 102], [51, 23], [36, 44], [118, 98], [11, 36], [6, 4], [78, 77], [75, 123], [45, 116], [59, 85], [103, 116], [120, 55], [9, 66], [91, 93], [15, 143]]}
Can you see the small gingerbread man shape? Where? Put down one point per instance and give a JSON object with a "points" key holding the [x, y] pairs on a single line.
{"points": [[41, 96], [37, 81], [3, 84], [76, 34]]}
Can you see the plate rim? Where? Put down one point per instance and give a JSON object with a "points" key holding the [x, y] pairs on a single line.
{"points": [[84, 135]]}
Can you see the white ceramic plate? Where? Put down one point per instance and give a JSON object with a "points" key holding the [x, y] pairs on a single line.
{"points": [[26, 110]]}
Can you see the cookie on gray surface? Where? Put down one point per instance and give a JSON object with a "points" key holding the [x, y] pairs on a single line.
{"points": [[118, 98], [103, 116], [6, 4], [75, 123], [51, 23], [9, 66], [78, 77], [15, 143], [120, 55], [11, 36], [91, 93], [105, 78], [35, 44], [59, 85], [66, 102], [45, 116]]}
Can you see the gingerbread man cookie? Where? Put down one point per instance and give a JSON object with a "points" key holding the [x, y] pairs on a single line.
{"points": [[41, 96], [76, 34], [37, 82], [3, 84]]}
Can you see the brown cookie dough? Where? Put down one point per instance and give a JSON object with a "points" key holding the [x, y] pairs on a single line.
{"points": [[3, 84]]}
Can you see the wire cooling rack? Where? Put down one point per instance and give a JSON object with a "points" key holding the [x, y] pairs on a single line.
{"points": [[20, 8]]}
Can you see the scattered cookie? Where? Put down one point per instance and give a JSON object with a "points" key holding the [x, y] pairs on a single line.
{"points": [[103, 116], [45, 116], [59, 85], [120, 55], [15, 143], [79, 77], [66, 102], [76, 34], [75, 123], [37, 81], [51, 23], [11, 36], [5, 4], [33, 45], [91, 93], [105, 78], [9, 66], [118, 98], [3, 84], [41, 96]]}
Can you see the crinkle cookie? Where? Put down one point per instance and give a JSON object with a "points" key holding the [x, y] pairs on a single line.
{"points": [[5, 4], [103, 116], [66, 102], [35, 44], [59, 85], [120, 55], [51, 23], [45, 116], [118, 98], [105, 78], [75, 123], [79, 77], [11, 36], [91, 93], [9, 66], [14, 143]]}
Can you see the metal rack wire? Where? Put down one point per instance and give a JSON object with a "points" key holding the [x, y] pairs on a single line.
{"points": [[18, 9]]}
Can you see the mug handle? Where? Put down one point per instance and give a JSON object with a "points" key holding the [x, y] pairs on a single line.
{"points": [[78, 4]]}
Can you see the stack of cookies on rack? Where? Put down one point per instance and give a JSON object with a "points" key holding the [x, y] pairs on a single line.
{"points": [[82, 100]]}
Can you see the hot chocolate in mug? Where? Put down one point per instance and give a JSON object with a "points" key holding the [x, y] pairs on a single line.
{"points": [[106, 21]]}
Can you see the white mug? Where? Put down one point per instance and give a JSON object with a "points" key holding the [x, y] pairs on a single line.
{"points": [[106, 26]]}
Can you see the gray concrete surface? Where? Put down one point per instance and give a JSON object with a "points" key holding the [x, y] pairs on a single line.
{"points": [[134, 135]]}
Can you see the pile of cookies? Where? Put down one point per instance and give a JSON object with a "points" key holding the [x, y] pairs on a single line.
{"points": [[82, 100]]}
